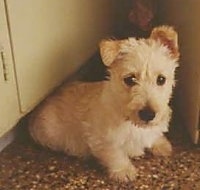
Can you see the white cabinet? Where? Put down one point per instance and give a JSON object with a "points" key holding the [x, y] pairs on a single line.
{"points": [[9, 110], [43, 42], [51, 39]]}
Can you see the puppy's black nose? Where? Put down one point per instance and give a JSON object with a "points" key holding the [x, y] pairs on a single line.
{"points": [[146, 114]]}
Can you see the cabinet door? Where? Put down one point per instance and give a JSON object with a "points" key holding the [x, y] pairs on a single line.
{"points": [[51, 39], [9, 108], [184, 15]]}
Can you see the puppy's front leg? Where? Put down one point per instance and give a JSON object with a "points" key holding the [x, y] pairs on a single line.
{"points": [[119, 166], [162, 147]]}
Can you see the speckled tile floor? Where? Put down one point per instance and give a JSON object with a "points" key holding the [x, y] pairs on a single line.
{"points": [[25, 166]]}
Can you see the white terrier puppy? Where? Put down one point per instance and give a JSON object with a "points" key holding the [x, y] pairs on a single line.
{"points": [[116, 119]]}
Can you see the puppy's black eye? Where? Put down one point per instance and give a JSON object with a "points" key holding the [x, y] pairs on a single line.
{"points": [[161, 80], [130, 80]]}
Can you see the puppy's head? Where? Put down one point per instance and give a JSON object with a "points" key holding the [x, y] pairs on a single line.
{"points": [[142, 74]]}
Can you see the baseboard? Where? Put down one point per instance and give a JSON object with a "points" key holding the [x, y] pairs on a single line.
{"points": [[6, 139]]}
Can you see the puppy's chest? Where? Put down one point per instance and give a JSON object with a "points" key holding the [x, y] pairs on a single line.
{"points": [[128, 134]]}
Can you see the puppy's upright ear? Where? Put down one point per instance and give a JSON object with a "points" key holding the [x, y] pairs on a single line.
{"points": [[109, 50], [168, 37]]}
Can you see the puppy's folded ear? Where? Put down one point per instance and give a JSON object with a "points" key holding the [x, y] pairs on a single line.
{"points": [[168, 37], [109, 50]]}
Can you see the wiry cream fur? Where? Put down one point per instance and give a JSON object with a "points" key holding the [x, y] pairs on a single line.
{"points": [[101, 118]]}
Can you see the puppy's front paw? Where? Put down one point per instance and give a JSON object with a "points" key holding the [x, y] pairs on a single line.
{"points": [[162, 147], [125, 174]]}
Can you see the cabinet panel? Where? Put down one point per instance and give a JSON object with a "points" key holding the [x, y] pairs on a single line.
{"points": [[184, 15], [9, 108], [51, 39]]}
